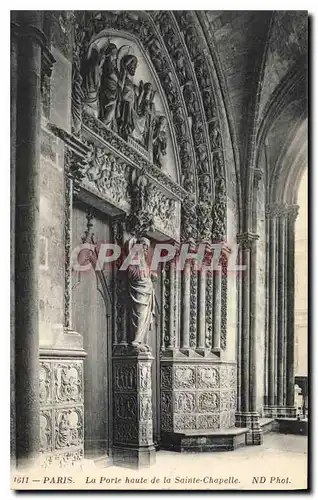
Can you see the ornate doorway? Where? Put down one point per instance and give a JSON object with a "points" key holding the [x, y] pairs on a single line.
{"points": [[92, 317]]}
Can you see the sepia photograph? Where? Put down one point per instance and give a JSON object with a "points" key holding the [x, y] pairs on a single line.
{"points": [[159, 250]]}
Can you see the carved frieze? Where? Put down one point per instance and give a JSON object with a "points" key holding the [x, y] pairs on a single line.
{"points": [[109, 176], [62, 460], [68, 382], [68, 427]]}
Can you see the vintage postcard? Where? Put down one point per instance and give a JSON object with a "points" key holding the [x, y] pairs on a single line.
{"points": [[159, 250]]}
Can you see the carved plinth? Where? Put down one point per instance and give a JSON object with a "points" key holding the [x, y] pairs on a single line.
{"points": [[250, 420], [197, 397], [133, 428]]}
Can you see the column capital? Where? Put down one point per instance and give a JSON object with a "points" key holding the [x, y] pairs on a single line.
{"points": [[273, 210], [246, 239], [258, 175], [292, 212]]}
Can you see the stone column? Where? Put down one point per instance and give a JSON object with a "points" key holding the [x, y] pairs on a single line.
{"points": [[272, 382], [281, 227], [248, 416], [185, 306], [13, 124], [201, 309], [217, 281], [292, 213], [133, 430], [27, 232]]}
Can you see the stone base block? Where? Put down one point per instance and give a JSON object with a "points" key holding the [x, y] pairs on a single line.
{"points": [[292, 426], [134, 458], [250, 420], [267, 425], [196, 441], [280, 411]]}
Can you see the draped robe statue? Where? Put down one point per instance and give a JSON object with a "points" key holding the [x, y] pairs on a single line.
{"points": [[141, 299]]}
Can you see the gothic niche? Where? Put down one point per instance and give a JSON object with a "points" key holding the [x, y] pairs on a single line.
{"points": [[118, 89]]}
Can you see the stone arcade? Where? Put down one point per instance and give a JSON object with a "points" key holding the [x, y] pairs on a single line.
{"points": [[148, 127]]}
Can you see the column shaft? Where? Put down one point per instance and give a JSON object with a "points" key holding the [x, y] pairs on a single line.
{"points": [[272, 311], [202, 308], [186, 276], [281, 311], [253, 344], [26, 243], [172, 273], [217, 277], [290, 309], [245, 331]]}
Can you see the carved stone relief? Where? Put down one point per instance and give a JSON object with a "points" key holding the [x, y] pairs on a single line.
{"points": [[208, 376], [46, 430], [208, 402], [125, 377], [68, 427], [166, 378], [68, 382], [184, 377], [125, 406], [208, 422], [184, 402], [45, 377]]}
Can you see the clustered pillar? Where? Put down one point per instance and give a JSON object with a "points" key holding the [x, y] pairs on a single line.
{"points": [[281, 248], [247, 416]]}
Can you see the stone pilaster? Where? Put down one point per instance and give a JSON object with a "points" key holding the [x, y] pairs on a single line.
{"points": [[247, 415], [133, 444], [281, 289]]}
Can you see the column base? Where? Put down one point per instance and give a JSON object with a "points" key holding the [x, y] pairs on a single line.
{"points": [[251, 420], [134, 458], [274, 411]]}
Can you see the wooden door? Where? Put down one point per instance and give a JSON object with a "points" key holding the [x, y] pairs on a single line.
{"points": [[91, 316]]}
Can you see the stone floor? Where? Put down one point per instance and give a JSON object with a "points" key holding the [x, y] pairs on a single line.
{"points": [[280, 463]]}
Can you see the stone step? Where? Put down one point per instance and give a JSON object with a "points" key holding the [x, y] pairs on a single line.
{"points": [[267, 424], [205, 440]]}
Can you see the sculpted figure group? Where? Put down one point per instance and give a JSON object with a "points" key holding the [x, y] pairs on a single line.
{"points": [[111, 94]]}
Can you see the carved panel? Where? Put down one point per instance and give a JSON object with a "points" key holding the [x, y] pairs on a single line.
{"points": [[166, 422], [125, 406], [145, 433], [145, 407], [62, 460], [68, 382], [166, 402], [225, 400], [46, 430], [68, 427], [166, 377], [45, 377], [184, 402], [209, 421], [225, 420], [208, 401], [208, 376], [125, 377], [126, 432], [184, 377], [144, 376], [184, 422]]}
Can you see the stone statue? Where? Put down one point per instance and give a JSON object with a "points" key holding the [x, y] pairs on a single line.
{"points": [[109, 88], [141, 297], [92, 72], [159, 141], [125, 120], [144, 113]]}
